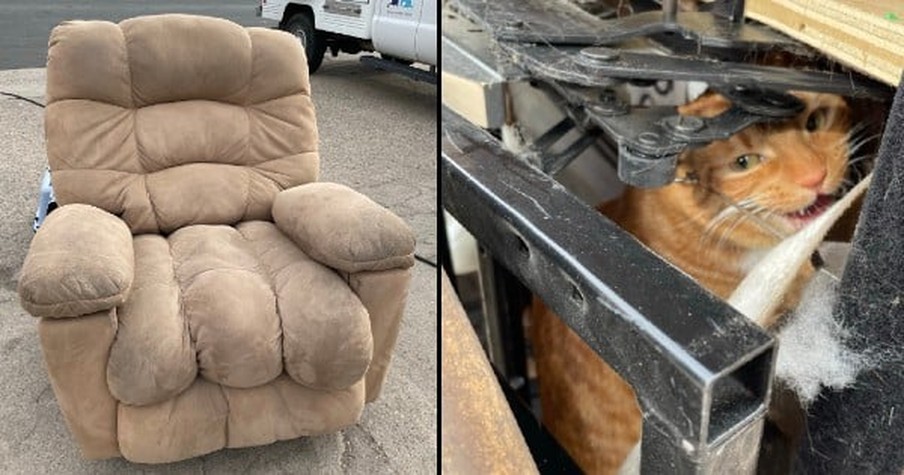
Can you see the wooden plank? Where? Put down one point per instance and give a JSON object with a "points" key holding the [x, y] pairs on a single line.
{"points": [[470, 83], [479, 431], [866, 35], [479, 102]]}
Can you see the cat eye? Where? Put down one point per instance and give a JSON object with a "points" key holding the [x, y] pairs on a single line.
{"points": [[816, 120], [746, 162]]}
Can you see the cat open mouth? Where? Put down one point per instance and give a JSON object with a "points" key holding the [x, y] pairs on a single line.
{"points": [[803, 216]]}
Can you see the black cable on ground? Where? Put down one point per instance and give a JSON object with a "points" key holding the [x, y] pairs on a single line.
{"points": [[425, 261], [22, 98]]}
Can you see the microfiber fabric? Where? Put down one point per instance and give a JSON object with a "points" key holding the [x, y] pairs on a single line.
{"points": [[859, 429]]}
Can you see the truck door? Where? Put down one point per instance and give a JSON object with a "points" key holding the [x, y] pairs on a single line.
{"points": [[395, 27]]}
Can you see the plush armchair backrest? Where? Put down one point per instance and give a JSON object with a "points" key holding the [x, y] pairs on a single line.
{"points": [[174, 120]]}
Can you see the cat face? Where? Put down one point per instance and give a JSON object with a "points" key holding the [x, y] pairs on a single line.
{"points": [[769, 180]]}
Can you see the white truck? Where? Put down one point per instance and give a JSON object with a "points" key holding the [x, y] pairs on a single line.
{"points": [[403, 32]]}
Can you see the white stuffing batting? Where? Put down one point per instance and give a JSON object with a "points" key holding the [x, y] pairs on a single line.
{"points": [[812, 353]]}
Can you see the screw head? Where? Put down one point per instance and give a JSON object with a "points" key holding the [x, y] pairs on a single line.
{"points": [[599, 53], [514, 24], [648, 138], [682, 123]]}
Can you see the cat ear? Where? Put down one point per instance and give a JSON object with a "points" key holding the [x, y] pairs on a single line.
{"points": [[710, 104]]}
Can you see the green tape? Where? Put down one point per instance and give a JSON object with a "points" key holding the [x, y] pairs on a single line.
{"points": [[891, 16]]}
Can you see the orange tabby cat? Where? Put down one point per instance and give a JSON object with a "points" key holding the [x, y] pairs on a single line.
{"points": [[736, 199]]}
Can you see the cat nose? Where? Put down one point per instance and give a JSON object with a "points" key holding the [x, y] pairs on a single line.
{"points": [[812, 178]]}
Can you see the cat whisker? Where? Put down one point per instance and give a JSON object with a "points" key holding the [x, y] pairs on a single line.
{"points": [[710, 230], [860, 159], [858, 171], [855, 130], [852, 144], [723, 219], [690, 222], [757, 220], [713, 234], [742, 217], [733, 215], [852, 150], [855, 144], [749, 213], [845, 186]]}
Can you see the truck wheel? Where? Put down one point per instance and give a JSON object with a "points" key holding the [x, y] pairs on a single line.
{"points": [[302, 26]]}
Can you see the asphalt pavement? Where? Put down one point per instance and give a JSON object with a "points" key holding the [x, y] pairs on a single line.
{"points": [[378, 135], [25, 26]]}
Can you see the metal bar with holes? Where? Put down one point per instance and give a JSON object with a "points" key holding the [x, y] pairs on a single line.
{"points": [[702, 371]]}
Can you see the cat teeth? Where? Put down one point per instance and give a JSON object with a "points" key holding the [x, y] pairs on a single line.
{"points": [[821, 204], [809, 210]]}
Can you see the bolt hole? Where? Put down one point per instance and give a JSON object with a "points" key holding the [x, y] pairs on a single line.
{"points": [[522, 246], [576, 295]]}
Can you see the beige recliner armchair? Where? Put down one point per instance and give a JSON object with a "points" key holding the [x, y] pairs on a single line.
{"points": [[197, 288]]}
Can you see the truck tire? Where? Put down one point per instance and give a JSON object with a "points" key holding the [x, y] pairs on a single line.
{"points": [[302, 26]]}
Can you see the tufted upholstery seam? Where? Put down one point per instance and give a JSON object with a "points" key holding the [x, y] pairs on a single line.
{"points": [[139, 152], [256, 167], [191, 335], [190, 281], [265, 177], [250, 72], [248, 142], [228, 411], [271, 281], [247, 198], [147, 193], [134, 132], [120, 200], [128, 66]]}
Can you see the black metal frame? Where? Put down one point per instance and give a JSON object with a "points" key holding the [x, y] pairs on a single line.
{"points": [[561, 47], [701, 370]]}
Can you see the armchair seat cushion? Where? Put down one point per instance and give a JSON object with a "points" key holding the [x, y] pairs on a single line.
{"points": [[237, 306]]}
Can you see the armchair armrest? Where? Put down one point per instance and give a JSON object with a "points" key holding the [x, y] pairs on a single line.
{"points": [[343, 229], [80, 262]]}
